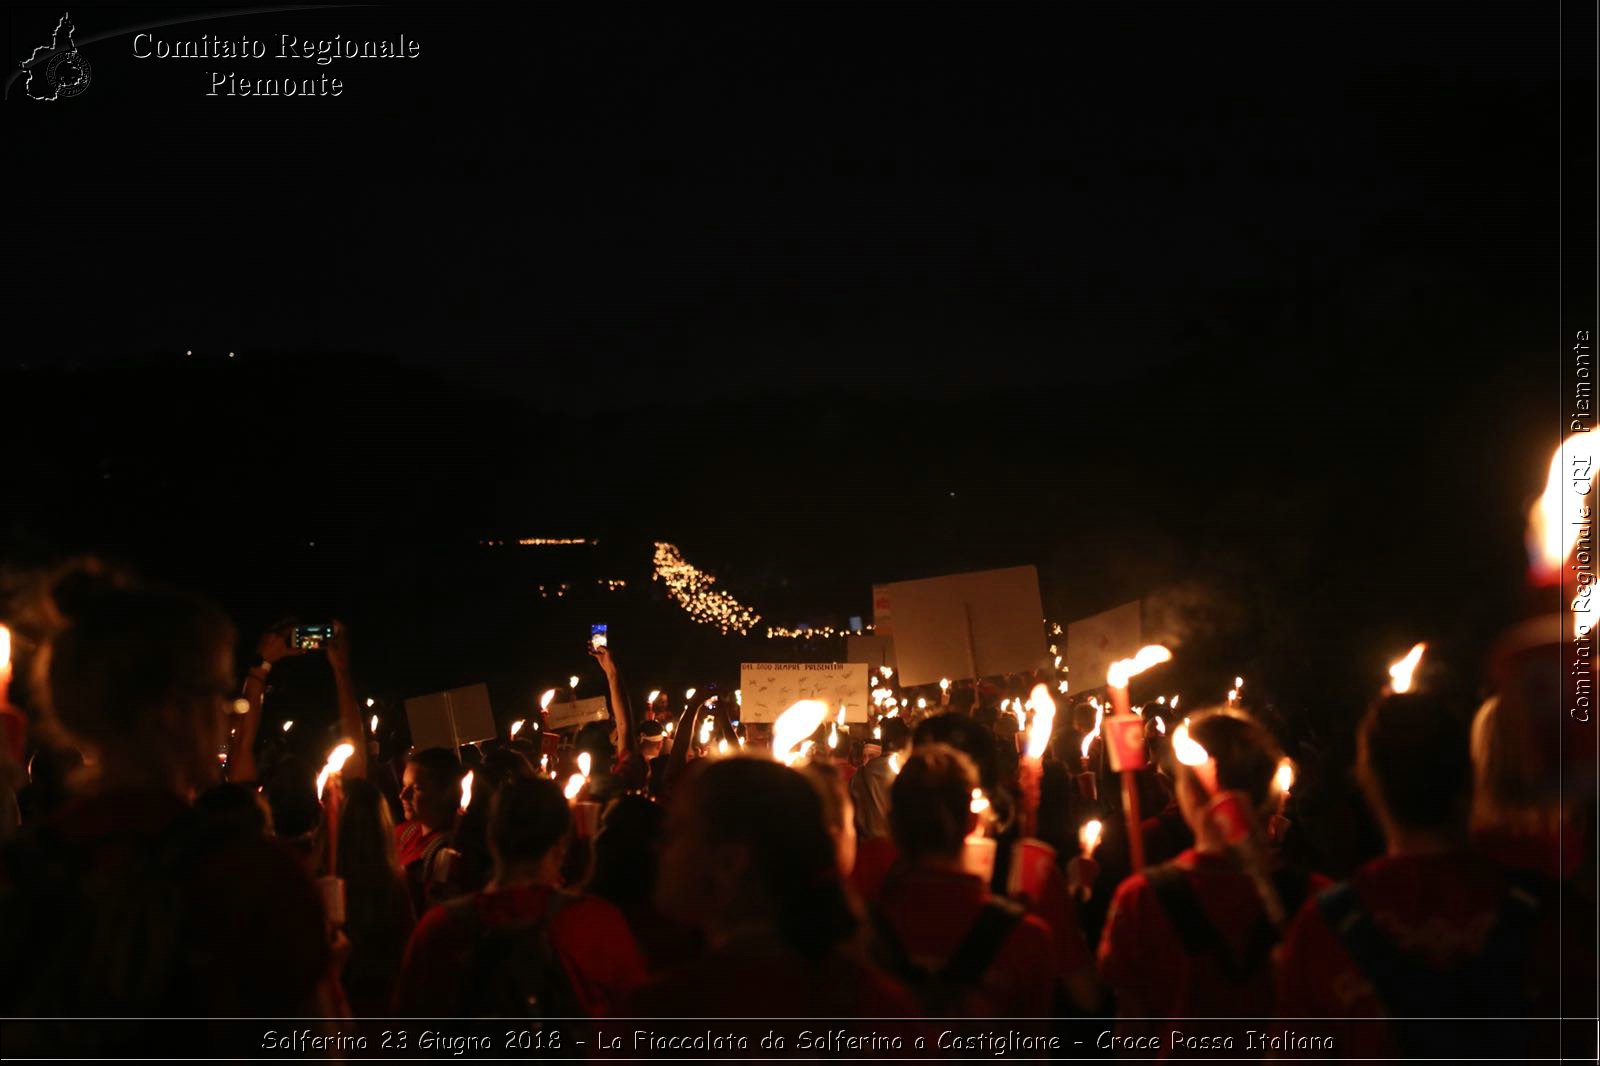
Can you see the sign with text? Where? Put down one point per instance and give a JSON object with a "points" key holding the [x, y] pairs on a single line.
{"points": [[769, 689], [1094, 643], [582, 712], [450, 719], [964, 625]]}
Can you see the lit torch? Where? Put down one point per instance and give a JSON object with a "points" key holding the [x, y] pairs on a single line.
{"points": [[466, 790], [1089, 836], [794, 726], [1402, 671], [516, 727]]}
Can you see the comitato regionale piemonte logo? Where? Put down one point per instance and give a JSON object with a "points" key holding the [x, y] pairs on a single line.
{"points": [[57, 70]]}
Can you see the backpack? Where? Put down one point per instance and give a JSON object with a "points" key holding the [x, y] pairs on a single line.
{"points": [[514, 971], [950, 990], [1200, 938], [1491, 984]]}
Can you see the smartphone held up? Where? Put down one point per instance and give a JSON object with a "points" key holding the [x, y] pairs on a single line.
{"points": [[597, 636]]}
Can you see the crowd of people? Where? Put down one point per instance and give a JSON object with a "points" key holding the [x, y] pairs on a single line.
{"points": [[663, 864]]}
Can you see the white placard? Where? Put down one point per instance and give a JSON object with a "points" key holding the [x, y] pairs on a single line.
{"points": [[769, 689], [567, 715]]}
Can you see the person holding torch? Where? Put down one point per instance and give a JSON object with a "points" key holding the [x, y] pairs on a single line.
{"points": [[1193, 937]]}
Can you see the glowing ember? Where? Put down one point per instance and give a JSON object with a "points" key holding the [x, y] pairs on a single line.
{"points": [[1089, 836], [1119, 673], [1284, 778], [793, 726], [466, 791], [1402, 671], [1044, 721], [336, 760], [516, 727]]}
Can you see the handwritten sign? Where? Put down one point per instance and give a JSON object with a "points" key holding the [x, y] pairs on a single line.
{"points": [[769, 689]]}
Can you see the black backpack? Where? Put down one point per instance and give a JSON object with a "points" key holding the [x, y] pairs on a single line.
{"points": [[947, 991], [514, 971], [1491, 984], [1200, 938]]}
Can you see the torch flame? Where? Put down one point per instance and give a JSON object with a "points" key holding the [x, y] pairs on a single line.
{"points": [[1161, 727], [335, 763], [288, 725], [980, 802], [1099, 715], [374, 723], [544, 701], [793, 726], [516, 727], [887, 672], [585, 762], [466, 791], [895, 763], [1120, 672], [1284, 778], [5, 647], [574, 786], [689, 694], [1089, 836], [1186, 749], [1550, 540], [833, 737], [1044, 721], [722, 746], [944, 684], [655, 694], [1401, 671]]}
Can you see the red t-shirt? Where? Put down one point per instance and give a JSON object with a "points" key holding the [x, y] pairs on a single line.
{"points": [[763, 979], [1143, 959], [874, 858], [252, 939], [590, 937], [930, 913], [1437, 907], [411, 840]]}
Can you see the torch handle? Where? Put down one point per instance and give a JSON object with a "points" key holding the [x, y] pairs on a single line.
{"points": [[1130, 811]]}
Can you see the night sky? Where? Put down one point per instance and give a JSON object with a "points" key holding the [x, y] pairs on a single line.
{"points": [[1259, 300]]}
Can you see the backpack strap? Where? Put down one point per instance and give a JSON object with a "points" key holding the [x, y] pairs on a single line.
{"points": [[1198, 935], [977, 951]]}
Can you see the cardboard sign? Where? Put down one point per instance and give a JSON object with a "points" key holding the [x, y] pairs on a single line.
{"points": [[450, 719], [1094, 643], [964, 625], [1124, 739], [769, 689], [874, 651], [567, 715]]}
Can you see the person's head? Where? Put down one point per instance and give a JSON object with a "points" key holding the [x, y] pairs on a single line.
{"points": [[624, 868], [837, 810], [290, 786], [366, 833], [895, 734], [930, 803], [1245, 759], [430, 789], [236, 810], [596, 739], [528, 825], [964, 734], [1414, 763], [137, 676], [747, 847], [651, 736]]}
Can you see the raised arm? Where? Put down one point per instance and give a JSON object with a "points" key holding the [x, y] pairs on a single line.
{"points": [[621, 710], [350, 724], [272, 648]]}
